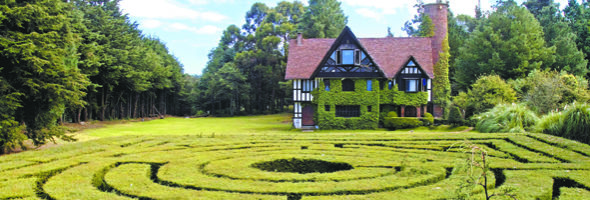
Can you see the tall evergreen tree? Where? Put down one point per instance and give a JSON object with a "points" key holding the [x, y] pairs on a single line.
{"points": [[510, 43], [578, 17], [40, 75], [323, 19], [558, 34]]}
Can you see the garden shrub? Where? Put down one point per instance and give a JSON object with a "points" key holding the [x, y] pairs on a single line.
{"points": [[455, 116], [572, 123], [428, 119], [485, 93], [515, 118], [392, 114], [384, 110], [544, 91], [402, 122]]}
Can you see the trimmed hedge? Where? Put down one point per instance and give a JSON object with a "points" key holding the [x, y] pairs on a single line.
{"points": [[402, 122]]}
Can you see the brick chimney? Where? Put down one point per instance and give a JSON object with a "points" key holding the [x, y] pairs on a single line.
{"points": [[438, 13]]}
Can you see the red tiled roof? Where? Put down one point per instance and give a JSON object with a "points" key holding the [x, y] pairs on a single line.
{"points": [[390, 54]]}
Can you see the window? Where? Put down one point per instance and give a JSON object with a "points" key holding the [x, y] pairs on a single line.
{"points": [[369, 85], [411, 85], [381, 84], [347, 57], [390, 84], [347, 85], [357, 57], [327, 107], [307, 85], [348, 111], [327, 84], [369, 109]]}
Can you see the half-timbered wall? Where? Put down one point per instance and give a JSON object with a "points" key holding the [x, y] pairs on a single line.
{"points": [[297, 114], [302, 89]]}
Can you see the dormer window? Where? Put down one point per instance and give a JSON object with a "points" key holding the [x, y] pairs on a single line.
{"points": [[347, 57]]}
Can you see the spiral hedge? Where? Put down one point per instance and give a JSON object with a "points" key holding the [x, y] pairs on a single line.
{"points": [[372, 166]]}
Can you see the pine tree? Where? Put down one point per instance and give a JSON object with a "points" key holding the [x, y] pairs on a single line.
{"points": [[323, 19], [509, 43]]}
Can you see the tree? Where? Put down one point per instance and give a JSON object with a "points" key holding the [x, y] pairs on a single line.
{"points": [[509, 43], [323, 19], [40, 75], [459, 28], [560, 36], [578, 15], [409, 26]]}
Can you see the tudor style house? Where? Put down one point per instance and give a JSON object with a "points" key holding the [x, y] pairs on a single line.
{"points": [[349, 82]]}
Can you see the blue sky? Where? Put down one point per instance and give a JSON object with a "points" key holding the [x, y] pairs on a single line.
{"points": [[191, 28]]}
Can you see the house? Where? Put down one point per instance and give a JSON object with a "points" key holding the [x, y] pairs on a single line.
{"points": [[351, 82]]}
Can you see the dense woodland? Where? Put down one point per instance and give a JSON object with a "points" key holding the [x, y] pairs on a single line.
{"points": [[245, 73], [78, 61], [82, 60]]}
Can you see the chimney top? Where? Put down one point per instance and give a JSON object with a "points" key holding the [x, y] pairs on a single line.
{"points": [[299, 39]]}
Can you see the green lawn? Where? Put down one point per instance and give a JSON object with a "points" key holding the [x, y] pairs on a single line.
{"points": [[218, 158]]}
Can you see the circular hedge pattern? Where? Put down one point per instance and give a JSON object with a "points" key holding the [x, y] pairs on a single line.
{"points": [[302, 166], [293, 167]]}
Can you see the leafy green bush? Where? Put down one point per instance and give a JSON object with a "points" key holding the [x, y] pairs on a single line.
{"points": [[485, 93], [392, 114], [572, 123], [515, 118], [455, 116], [544, 91], [402, 122], [428, 119]]}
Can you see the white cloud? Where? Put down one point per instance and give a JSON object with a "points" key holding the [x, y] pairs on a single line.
{"points": [[205, 30], [166, 9], [151, 23], [369, 13], [384, 7], [203, 2]]}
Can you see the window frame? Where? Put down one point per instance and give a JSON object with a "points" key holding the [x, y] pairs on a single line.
{"points": [[348, 111], [416, 85], [369, 85], [352, 58], [307, 86], [327, 85], [346, 87]]}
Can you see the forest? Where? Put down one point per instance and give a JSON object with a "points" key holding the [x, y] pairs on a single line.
{"points": [[83, 60], [79, 60]]}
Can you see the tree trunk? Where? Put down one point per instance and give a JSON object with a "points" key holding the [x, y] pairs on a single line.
{"points": [[135, 107]]}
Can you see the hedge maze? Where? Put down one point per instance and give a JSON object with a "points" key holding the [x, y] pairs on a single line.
{"points": [[296, 166]]}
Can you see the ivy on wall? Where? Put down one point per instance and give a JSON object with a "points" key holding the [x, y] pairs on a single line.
{"points": [[360, 96]]}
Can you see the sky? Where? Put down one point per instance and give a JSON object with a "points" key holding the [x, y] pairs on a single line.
{"points": [[191, 28]]}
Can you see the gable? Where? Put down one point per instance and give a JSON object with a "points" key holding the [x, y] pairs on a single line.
{"points": [[389, 55], [347, 58]]}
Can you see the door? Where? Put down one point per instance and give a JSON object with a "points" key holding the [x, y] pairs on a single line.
{"points": [[308, 116]]}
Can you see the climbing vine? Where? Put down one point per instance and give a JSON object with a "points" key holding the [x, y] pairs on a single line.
{"points": [[326, 102]]}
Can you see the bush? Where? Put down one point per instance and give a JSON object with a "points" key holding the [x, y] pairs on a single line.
{"points": [[428, 119], [402, 122], [544, 91], [455, 116], [392, 114], [572, 123], [485, 93], [515, 118]]}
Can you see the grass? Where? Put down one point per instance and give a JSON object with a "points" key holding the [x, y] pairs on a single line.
{"points": [[213, 158]]}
